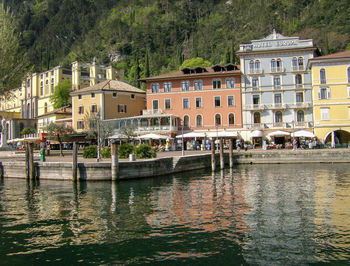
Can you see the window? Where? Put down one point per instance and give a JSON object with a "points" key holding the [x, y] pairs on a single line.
{"points": [[185, 85], [216, 83], [52, 85], [199, 120], [231, 119], [132, 96], [251, 66], [199, 102], [324, 113], [295, 64], [79, 97], [255, 83], [217, 101], [80, 124], [121, 108], [167, 104], [230, 100], [93, 108], [256, 100], [114, 95], [185, 103], [348, 74], [278, 99], [230, 82], [278, 117], [81, 109], [217, 120], [254, 66], [46, 87], [256, 118], [324, 93], [198, 84], [257, 66], [186, 121], [276, 65], [323, 76], [167, 86], [41, 88], [301, 63], [277, 82], [155, 104], [93, 124], [28, 83], [155, 87], [298, 81], [300, 116], [45, 108]]}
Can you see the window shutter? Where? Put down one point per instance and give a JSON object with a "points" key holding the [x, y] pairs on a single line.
{"points": [[125, 108], [328, 93]]}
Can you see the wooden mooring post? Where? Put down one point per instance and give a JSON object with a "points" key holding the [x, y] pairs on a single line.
{"points": [[31, 161], [222, 159], [213, 163], [231, 153], [75, 162], [27, 168], [115, 163]]}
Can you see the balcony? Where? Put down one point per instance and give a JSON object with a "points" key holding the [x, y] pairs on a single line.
{"points": [[278, 70], [298, 68], [152, 112], [256, 71], [255, 107], [300, 105]]}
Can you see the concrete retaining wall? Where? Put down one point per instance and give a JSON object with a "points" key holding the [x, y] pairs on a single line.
{"points": [[165, 166]]}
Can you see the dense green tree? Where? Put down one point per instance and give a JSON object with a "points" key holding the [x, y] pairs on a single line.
{"points": [[61, 95], [59, 133], [195, 62]]}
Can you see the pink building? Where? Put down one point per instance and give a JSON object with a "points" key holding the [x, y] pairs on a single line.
{"points": [[204, 98]]}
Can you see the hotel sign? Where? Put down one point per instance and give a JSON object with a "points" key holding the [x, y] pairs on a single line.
{"points": [[270, 44]]}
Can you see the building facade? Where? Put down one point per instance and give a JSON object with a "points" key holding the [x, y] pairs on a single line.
{"points": [[109, 99], [203, 99], [331, 97], [276, 84]]}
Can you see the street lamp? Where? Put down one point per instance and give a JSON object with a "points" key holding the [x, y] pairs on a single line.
{"points": [[98, 137], [182, 137]]}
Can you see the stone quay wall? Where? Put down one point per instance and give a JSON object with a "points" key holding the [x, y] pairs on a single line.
{"points": [[164, 166]]}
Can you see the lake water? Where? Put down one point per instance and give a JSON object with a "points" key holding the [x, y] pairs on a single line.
{"points": [[257, 214]]}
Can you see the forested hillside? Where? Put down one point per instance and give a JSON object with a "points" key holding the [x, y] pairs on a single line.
{"points": [[154, 36]]}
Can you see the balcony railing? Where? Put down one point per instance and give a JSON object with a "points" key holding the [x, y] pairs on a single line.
{"points": [[298, 68], [152, 112]]}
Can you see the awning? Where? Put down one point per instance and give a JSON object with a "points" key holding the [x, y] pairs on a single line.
{"points": [[118, 136], [192, 135], [303, 133], [257, 134], [223, 134], [152, 136], [279, 133]]}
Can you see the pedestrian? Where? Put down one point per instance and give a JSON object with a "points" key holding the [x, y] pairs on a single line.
{"points": [[295, 144]]}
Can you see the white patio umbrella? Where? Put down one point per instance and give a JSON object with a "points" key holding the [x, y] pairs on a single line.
{"points": [[152, 136], [257, 134], [223, 134], [192, 135], [279, 133], [303, 133], [118, 136]]}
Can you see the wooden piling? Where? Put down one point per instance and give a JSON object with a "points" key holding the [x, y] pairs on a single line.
{"points": [[231, 153], [31, 161], [222, 159], [75, 162], [213, 163], [114, 164], [27, 169]]}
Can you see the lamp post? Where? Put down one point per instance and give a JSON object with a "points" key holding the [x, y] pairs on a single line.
{"points": [[182, 138], [98, 137]]}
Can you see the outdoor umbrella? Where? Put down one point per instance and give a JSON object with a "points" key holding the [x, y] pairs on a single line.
{"points": [[303, 133]]}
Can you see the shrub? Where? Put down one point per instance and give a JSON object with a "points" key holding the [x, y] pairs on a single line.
{"points": [[125, 149], [106, 152], [90, 151], [145, 151]]}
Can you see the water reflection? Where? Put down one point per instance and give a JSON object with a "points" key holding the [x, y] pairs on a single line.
{"points": [[279, 214]]}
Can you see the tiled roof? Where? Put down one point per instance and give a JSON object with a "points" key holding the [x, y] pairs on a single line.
{"points": [[109, 85], [209, 71], [63, 110], [344, 54]]}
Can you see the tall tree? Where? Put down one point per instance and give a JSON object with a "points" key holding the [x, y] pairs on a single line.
{"points": [[13, 63], [61, 96], [59, 133]]}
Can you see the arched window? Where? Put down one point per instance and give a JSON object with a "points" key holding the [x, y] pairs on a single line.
{"points": [[28, 110], [278, 65], [278, 117], [323, 76], [348, 74], [186, 121], [273, 65], [298, 81], [46, 87], [295, 63], [52, 85], [217, 120], [300, 116], [41, 88], [256, 118], [199, 122], [251, 66], [301, 63], [45, 108], [257, 66], [231, 119]]}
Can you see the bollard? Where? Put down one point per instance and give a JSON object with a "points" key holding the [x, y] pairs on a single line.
{"points": [[222, 159], [75, 162], [231, 153], [213, 163], [114, 164]]}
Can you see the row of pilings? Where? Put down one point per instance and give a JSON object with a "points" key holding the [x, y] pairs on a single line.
{"points": [[221, 147]]}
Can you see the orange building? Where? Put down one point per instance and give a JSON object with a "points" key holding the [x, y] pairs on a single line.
{"points": [[204, 98]]}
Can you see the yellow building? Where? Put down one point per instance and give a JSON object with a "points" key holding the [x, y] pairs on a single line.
{"points": [[331, 97], [62, 115], [12, 101], [108, 99]]}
